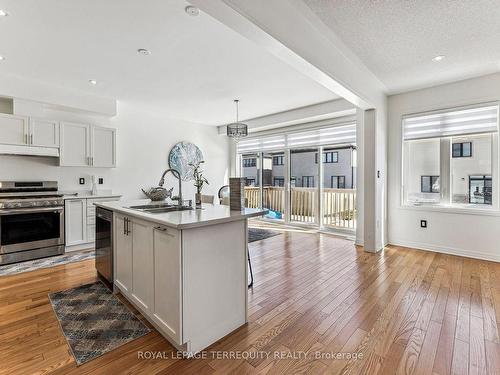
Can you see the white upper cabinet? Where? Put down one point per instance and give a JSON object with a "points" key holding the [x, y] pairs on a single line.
{"points": [[14, 129], [44, 132], [103, 147], [84, 145], [75, 144]]}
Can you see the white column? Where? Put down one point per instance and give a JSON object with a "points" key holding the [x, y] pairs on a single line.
{"points": [[359, 176], [373, 180], [234, 159]]}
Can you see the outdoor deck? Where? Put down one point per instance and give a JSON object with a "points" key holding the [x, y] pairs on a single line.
{"points": [[338, 211]]}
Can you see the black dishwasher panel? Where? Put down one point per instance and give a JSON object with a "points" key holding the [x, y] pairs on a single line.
{"points": [[104, 245]]}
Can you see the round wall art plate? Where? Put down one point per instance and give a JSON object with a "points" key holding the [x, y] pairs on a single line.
{"points": [[183, 154]]}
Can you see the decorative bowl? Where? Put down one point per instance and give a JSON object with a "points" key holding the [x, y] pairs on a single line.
{"points": [[158, 193]]}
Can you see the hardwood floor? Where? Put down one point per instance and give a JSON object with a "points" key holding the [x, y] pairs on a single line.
{"points": [[405, 311]]}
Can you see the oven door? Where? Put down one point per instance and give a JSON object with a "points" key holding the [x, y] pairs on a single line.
{"points": [[33, 228]]}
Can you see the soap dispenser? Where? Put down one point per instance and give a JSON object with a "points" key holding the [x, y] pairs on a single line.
{"points": [[94, 185]]}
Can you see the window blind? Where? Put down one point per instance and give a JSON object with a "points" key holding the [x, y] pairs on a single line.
{"points": [[339, 134], [261, 144], [479, 119], [326, 136]]}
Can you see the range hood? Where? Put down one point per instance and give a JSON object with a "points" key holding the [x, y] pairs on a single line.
{"points": [[28, 150]]}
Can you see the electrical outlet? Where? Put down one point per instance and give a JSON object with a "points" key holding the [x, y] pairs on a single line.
{"points": [[82, 181], [101, 180], [423, 223]]}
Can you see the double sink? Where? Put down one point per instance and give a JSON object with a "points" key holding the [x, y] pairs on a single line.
{"points": [[160, 208]]}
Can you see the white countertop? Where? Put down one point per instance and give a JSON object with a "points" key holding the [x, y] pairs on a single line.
{"points": [[84, 194], [209, 214]]}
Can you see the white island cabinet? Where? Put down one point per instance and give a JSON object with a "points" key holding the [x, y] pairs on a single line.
{"points": [[186, 272]]}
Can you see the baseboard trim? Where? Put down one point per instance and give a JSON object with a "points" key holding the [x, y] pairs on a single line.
{"points": [[445, 250], [83, 246]]}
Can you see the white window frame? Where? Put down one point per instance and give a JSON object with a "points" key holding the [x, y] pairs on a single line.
{"points": [[445, 171]]}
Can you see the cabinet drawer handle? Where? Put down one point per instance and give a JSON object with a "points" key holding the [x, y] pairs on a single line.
{"points": [[128, 226], [163, 229], [31, 138]]}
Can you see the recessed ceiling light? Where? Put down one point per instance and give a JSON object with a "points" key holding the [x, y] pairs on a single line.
{"points": [[3, 13], [192, 11], [438, 58], [93, 82], [2, 58], [144, 51]]}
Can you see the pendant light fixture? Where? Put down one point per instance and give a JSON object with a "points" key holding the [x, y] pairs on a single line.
{"points": [[237, 129]]}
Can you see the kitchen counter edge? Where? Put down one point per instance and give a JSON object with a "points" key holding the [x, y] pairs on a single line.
{"points": [[160, 218]]}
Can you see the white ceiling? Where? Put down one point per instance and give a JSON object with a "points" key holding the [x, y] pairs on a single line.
{"points": [[196, 68], [397, 39]]}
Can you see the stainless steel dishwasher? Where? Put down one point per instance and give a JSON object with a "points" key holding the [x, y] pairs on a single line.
{"points": [[104, 245]]}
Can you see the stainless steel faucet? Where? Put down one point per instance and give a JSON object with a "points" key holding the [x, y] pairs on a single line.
{"points": [[176, 174]]}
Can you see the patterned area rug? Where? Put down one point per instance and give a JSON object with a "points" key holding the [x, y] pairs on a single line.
{"points": [[31, 265], [94, 321], [257, 234]]}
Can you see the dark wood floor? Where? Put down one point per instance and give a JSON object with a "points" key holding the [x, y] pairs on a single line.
{"points": [[404, 311]]}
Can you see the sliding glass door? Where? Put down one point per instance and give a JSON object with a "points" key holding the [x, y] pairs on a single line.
{"points": [[338, 190], [304, 182], [306, 177], [250, 169], [273, 184]]}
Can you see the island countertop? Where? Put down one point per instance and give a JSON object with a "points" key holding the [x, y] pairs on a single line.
{"points": [[209, 214]]}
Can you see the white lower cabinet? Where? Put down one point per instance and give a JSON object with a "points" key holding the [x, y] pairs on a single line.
{"points": [[167, 289], [80, 222], [148, 271], [123, 253], [142, 264], [75, 220]]}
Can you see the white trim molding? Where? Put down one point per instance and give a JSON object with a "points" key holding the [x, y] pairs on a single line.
{"points": [[445, 250]]}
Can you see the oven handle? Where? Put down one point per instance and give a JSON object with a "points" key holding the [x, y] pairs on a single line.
{"points": [[30, 210]]}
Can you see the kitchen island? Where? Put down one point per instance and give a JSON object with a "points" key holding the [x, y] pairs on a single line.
{"points": [[185, 271]]}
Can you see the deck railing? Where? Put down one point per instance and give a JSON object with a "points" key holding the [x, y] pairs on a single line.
{"points": [[339, 205]]}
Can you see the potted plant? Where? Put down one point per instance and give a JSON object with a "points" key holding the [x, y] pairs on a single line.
{"points": [[199, 181]]}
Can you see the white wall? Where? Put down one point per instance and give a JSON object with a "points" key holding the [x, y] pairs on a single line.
{"points": [[144, 141], [451, 231]]}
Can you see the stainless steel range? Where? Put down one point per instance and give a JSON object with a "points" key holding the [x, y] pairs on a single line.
{"points": [[31, 220]]}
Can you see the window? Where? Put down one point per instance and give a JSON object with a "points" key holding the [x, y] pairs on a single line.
{"points": [[279, 181], [439, 165], [249, 162], [250, 182], [338, 182], [307, 181], [478, 164], [278, 160], [331, 157], [462, 150], [480, 189], [429, 184], [328, 157], [293, 181]]}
